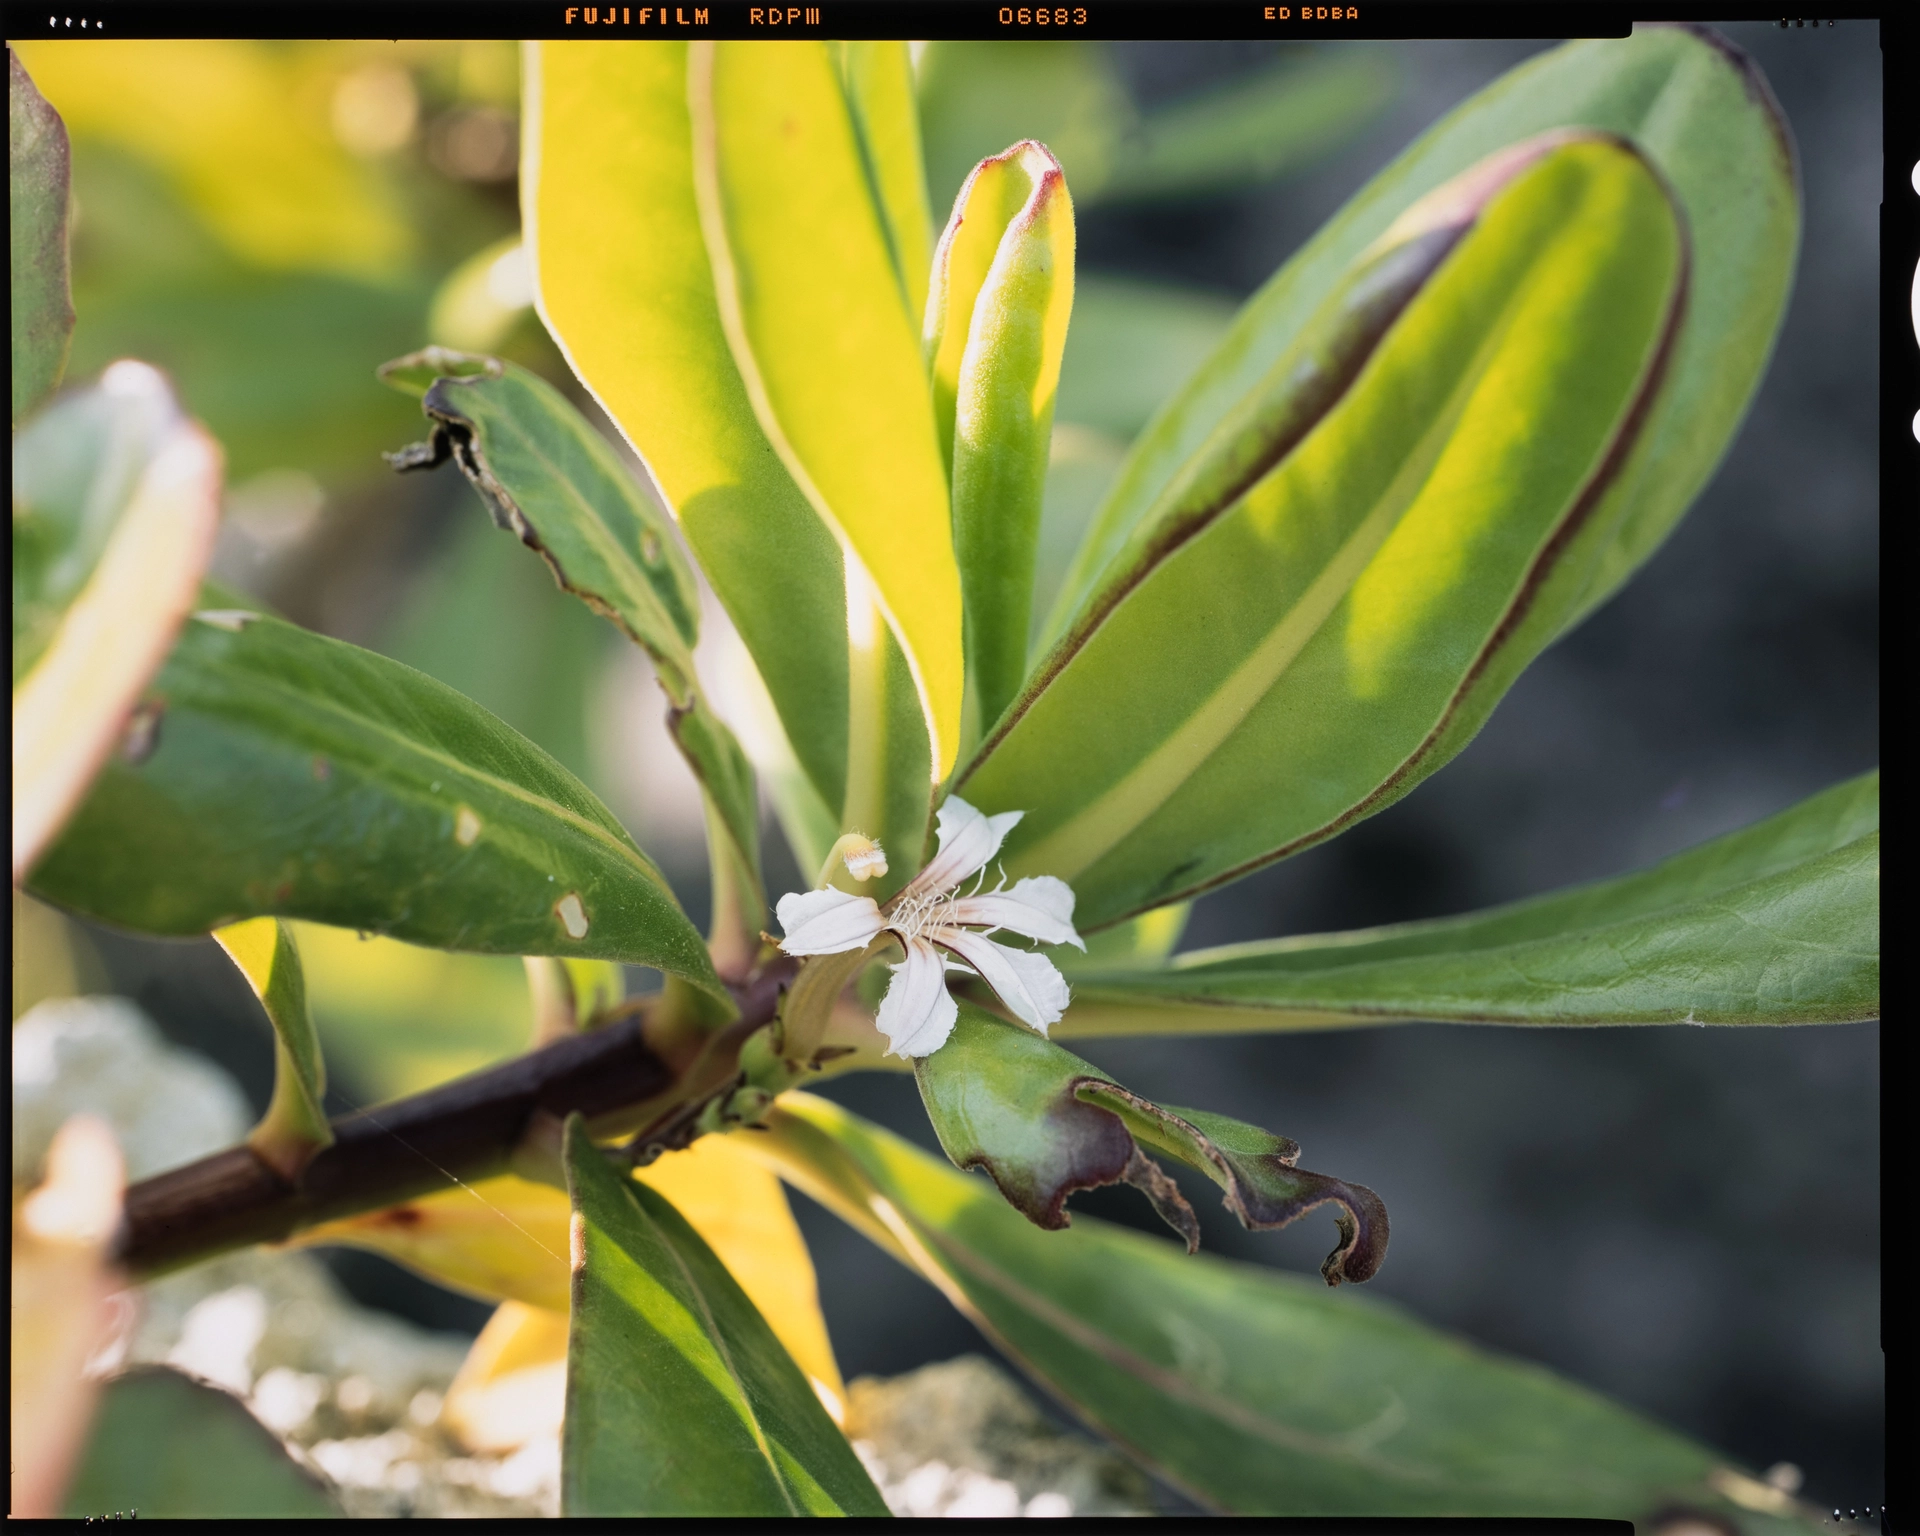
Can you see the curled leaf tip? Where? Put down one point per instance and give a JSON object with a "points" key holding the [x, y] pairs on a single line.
{"points": [[1362, 1219], [417, 372], [1147, 1176], [1044, 1123]]}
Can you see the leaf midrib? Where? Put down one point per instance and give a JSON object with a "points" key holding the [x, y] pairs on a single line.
{"points": [[1165, 1380], [381, 731]]}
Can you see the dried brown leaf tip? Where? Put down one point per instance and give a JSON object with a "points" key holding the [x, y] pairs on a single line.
{"points": [[1256, 1173], [1043, 1123]]}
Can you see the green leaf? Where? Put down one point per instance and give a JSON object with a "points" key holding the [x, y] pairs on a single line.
{"points": [[116, 497], [1044, 1123], [167, 1447], [1377, 537], [297, 776], [38, 168], [558, 486], [417, 373], [295, 1126], [1254, 127], [624, 285], [995, 330], [545, 474], [1778, 923], [825, 346], [680, 1400], [1131, 345], [727, 778], [1255, 1392], [878, 80], [1701, 111]]}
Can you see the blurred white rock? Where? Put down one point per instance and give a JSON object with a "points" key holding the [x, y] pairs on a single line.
{"points": [[104, 1056], [218, 1337], [355, 1392], [962, 1439]]}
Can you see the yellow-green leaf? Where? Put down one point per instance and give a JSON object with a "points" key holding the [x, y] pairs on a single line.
{"points": [[1704, 115], [826, 348], [295, 1125], [116, 496], [623, 282], [995, 329], [878, 79], [1257, 1392], [503, 1238], [738, 1207], [512, 1387], [1331, 595]]}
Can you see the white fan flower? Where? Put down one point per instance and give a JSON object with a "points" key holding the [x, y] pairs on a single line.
{"points": [[932, 915]]}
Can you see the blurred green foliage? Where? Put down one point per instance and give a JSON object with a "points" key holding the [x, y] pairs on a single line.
{"points": [[486, 619], [1285, 112], [396, 1019], [267, 221], [166, 1446], [1129, 344]]}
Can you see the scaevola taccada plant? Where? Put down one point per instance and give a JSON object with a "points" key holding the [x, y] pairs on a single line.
{"points": [[1448, 428]]}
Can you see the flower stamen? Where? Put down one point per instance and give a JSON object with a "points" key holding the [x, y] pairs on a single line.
{"points": [[943, 919]]}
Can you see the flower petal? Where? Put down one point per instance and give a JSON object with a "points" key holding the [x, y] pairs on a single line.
{"points": [[827, 922], [918, 1013], [968, 840], [1026, 982], [1040, 907]]}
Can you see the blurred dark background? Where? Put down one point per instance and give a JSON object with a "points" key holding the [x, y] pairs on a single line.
{"points": [[1687, 1219]]}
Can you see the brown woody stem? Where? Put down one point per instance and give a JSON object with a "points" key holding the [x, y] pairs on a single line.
{"points": [[627, 1074]]}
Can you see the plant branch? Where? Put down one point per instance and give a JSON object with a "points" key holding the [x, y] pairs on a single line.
{"points": [[638, 1072]]}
